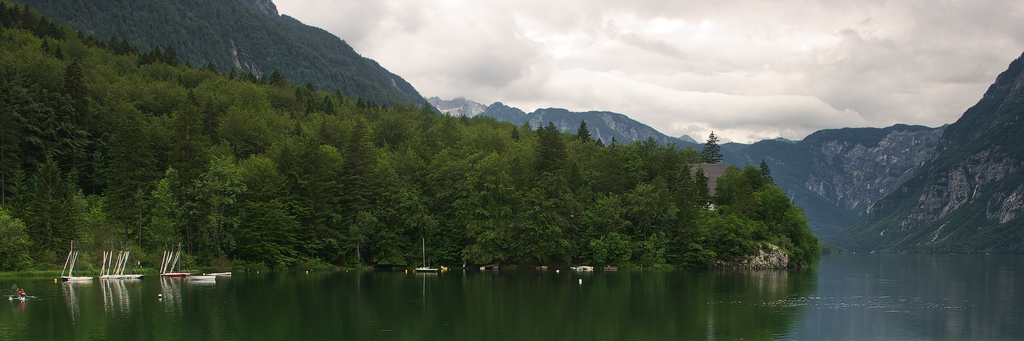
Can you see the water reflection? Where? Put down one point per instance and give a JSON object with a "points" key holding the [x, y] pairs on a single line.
{"points": [[71, 290], [170, 294], [916, 297], [118, 295], [457, 305]]}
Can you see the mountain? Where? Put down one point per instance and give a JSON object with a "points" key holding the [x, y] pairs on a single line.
{"points": [[687, 138], [970, 196], [834, 174], [458, 106], [247, 35], [603, 125], [837, 174]]}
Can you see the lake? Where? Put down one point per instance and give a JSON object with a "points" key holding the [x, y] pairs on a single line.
{"points": [[843, 297]]}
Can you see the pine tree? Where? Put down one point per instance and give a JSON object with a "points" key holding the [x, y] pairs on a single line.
{"points": [[766, 172], [712, 151], [583, 134], [275, 78], [171, 56], [550, 149]]}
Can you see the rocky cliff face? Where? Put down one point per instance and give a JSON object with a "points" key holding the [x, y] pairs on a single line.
{"points": [[770, 257], [837, 174], [969, 197], [458, 106], [853, 175]]}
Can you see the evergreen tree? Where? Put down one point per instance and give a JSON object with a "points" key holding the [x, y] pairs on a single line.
{"points": [[765, 172], [171, 56], [583, 134], [550, 149], [712, 151], [276, 78]]}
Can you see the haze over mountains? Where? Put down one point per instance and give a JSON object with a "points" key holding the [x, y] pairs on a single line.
{"points": [[951, 188]]}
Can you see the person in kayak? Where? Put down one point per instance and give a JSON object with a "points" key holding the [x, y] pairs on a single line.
{"points": [[21, 293]]}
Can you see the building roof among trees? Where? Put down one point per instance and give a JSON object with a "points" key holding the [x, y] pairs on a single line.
{"points": [[713, 171]]}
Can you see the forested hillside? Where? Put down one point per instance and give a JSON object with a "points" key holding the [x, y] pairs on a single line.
{"points": [[103, 144], [245, 35]]}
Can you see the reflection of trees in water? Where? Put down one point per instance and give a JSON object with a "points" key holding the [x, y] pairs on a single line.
{"points": [[755, 304], [117, 295], [537, 305], [70, 291], [170, 288]]}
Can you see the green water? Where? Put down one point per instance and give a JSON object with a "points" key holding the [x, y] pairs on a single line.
{"points": [[843, 297]]}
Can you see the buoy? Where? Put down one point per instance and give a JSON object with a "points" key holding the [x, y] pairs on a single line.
{"points": [[581, 281], [55, 280], [556, 271]]}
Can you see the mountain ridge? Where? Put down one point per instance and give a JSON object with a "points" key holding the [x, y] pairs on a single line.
{"points": [[249, 35], [970, 196], [835, 174]]}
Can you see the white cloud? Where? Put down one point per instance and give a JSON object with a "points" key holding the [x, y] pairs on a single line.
{"points": [[748, 70]]}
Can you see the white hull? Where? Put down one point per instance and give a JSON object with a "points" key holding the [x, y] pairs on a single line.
{"points": [[123, 277], [76, 279]]}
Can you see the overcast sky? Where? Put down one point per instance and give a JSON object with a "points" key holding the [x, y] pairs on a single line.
{"points": [[749, 70]]}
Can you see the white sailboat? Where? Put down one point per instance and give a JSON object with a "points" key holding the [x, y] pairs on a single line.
{"points": [[170, 265], [114, 268], [424, 268], [69, 266]]}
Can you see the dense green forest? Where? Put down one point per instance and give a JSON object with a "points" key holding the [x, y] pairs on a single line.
{"points": [[104, 145], [235, 34]]}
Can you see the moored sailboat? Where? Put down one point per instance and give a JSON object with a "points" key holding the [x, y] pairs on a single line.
{"points": [[114, 268], [170, 264], [69, 266], [424, 268]]}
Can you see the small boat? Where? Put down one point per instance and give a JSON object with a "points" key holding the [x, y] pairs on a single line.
{"points": [[201, 277], [424, 268], [226, 273], [19, 294], [170, 264], [69, 266], [113, 268], [584, 268]]}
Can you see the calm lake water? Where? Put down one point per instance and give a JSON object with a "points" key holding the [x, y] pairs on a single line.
{"points": [[844, 297]]}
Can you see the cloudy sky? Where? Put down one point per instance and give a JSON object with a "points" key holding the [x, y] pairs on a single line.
{"points": [[749, 70]]}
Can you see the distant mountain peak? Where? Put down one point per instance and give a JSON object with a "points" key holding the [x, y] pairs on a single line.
{"points": [[687, 138], [457, 106]]}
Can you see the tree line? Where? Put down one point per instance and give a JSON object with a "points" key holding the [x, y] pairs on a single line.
{"points": [[106, 145]]}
